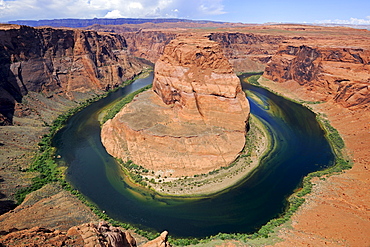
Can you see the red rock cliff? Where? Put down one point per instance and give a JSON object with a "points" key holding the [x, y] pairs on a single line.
{"points": [[148, 44], [194, 120], [62, 62], [335, 73], [248, 52]]}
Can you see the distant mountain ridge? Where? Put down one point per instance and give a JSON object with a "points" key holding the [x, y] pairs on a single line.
{"points": [[78, 23]]}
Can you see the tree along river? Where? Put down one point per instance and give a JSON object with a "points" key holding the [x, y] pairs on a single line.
{"points": [[299, 147]]}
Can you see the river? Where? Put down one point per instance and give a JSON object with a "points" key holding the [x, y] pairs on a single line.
{"points": [[300, 147]]}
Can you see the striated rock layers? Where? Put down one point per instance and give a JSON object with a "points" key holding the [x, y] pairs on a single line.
{"points": [[248, 52], [192, 122], [341, 74], [59, 62]]}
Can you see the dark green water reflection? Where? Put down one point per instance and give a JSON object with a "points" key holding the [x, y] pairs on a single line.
{"points": [[299, 148]]}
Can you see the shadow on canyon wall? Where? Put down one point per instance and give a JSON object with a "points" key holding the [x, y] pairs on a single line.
{"points": [[5, 205], [10, 93]]}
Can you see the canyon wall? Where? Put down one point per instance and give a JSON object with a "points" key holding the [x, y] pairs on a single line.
{"points": [[192, 122], [341, 74], [247, 52], [59, 62], [148, 44]]}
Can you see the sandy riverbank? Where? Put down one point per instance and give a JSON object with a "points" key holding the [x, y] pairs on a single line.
{"points": [[337, 211]]}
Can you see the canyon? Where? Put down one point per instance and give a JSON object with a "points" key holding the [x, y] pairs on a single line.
{"points": [[45, 71]]}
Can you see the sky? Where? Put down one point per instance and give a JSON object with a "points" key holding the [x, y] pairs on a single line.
{"points": [[244, 11]]}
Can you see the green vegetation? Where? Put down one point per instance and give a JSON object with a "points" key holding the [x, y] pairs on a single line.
{"points": [[133, 171], [254, 79], [44, 162], [332, 134]]}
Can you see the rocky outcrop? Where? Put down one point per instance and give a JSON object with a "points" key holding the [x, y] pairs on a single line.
{"points": [[98, 235], [59, 62], [103, 235], [161, 241], [192, 122], [50, 207], [38, 236], [341, 74], [43, 73]]}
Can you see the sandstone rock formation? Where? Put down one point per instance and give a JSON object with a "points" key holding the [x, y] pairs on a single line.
{"points": [[59, 62], [148, 44], [192, 122], [50, 207], [160, 241], [103, 235], [98, 235], [38, 236], [248, 52], [334, 73]]}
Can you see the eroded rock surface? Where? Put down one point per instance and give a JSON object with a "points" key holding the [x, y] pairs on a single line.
{"points": [[59, 63], [193, 121], [90, 234], [50, 207], [102, 234], [160, 241], [338, 73]]}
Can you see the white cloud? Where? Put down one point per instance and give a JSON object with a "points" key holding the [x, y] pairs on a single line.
{"points": [[114, 14], [54, 9], [351, 21], [135, 5]]}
